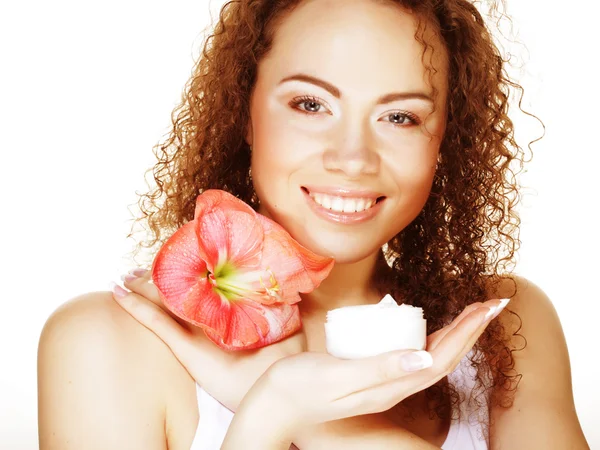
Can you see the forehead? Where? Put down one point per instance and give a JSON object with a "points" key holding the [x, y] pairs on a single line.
{"points": [[362, 46]]}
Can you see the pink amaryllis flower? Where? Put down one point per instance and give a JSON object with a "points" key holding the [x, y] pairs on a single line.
{"points": [[236, 274]]}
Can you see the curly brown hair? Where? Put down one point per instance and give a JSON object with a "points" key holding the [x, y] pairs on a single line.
{"points": [[467, 233]]}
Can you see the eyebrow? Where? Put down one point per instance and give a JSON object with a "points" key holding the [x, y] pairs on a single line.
{"points": [[387, 98]]}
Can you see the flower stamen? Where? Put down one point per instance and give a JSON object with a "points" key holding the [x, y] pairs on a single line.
{"points": [[272, 291]]}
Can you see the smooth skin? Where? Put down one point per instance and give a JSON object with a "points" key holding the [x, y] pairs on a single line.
{"points": [[307, 388], [92, 351], [107, 381]]}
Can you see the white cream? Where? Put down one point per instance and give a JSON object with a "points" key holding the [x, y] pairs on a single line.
{"points": [[353, 332]]}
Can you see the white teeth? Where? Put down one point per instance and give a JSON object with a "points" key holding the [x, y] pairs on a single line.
{"points": [[337, 204], [350, 205], [342, 204]]}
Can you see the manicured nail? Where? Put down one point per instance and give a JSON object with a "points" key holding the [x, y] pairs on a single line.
{"points": [[117, 290], [501, 306], [128, 278], [138, 272], [495, 310], [412, 362]]}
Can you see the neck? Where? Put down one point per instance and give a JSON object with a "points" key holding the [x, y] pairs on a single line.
{"points": [[348, 284]]}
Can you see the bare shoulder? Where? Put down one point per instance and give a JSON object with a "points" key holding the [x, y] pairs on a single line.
{"points": [[543, 411], [533, 310], [94, 322], [104, 380], [531, 320]]}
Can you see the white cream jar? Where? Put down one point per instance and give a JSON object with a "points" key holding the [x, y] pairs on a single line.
{"points": [[353, 332]]}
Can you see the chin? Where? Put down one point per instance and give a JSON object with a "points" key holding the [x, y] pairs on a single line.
{"points": [[350, 257], [344, 251]]}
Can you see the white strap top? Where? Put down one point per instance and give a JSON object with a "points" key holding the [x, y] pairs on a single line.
{"points": [[465, 434]]}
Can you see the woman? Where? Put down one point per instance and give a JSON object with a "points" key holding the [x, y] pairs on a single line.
{"points": [[311, 111]]}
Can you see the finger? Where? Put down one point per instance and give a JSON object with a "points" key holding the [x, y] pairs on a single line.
{"points": [[350, 376], [434, 338], [141, 273], [156, 319], [142, 286], [365, 373], [460, 340], [387, 384], [383, 396], [496, 309]]}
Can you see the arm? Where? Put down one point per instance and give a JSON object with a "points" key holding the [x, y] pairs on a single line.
{"points": [[543, 413], [94, 387], [250, 429], [343, 389], [373, 431], [259, 424]]}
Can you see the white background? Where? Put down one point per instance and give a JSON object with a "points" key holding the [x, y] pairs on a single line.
{"points": [[86, 90]]}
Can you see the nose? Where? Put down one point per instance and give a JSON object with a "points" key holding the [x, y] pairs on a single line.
{"points": [[354, 156]]}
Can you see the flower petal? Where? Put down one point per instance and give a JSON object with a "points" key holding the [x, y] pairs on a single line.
{"points": [[245, 240], [205, 307], [212, 199], [264, 260], [228, 230], [317, 267], [295, 268], [230, 236], [235, 323], [178, 264], [247, 325], [284, 320]]}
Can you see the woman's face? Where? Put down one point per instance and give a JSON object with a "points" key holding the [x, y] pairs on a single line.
{"points": [[339, 118]]}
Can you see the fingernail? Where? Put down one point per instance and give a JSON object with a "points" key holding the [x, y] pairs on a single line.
{"points": [[128, 278], [138, 272], [495, 310], [412, 362], [117, 290], [501, 306]]}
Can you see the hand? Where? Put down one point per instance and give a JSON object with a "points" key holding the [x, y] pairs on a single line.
{"points": [[227, 376], [310, 387], [230, 376]]}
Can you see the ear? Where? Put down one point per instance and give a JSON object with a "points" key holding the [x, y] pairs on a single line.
{"points": [[249, 133]]}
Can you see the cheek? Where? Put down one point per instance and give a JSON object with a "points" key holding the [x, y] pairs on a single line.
{"points": [[411, 155], [266, 177], [413, 169], [281, 151], [411, 173], [273, 137], [273, 169]]}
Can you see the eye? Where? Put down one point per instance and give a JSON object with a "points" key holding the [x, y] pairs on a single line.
{"points": [[307, 104], [310, 105], [400, 118]]}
